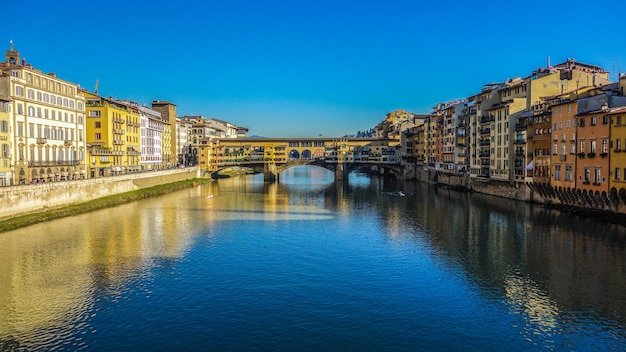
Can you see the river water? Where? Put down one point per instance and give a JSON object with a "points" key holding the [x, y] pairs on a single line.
{"points": [[312, 265]]}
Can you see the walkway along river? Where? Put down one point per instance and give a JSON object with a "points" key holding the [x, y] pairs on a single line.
{"points": [[310, 264]]}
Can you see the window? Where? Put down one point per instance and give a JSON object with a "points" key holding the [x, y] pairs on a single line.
{"points": [[618, 121], [30, 93], [573, 148], [4, 106], [605, 146], [557, 172], [581, 122], [19, 91], [31, 111], [596, 176], [593, 121], [581, 147], [569, 123], [98, 136], [618, 144], [5, 150], [592, 146], [617, 174], [568, 172], [4, 126], [94, 113], [587, 175], [560, 125], [97, 124]]}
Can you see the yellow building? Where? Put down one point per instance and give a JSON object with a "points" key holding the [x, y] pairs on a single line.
{"points": [[5, 138], [169, 142], [46, 123], [113, 135]]}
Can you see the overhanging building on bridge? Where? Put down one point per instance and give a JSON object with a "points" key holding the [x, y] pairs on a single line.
{"points": [[271, 155]]}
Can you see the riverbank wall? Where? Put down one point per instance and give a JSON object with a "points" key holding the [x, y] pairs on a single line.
{"points": [[25, 199], [601, 206]]}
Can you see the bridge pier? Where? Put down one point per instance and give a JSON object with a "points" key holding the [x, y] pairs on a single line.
{"points": [[341, 173], [270, 173]]}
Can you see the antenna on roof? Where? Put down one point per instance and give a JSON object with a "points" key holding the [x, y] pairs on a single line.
{"points": [[95, 91]]}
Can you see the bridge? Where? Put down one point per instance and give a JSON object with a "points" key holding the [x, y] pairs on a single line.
{"points": [[271, 156]]}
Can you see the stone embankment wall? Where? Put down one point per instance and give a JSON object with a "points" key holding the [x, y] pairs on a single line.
{"points": [[600, 206], [23, 199]]}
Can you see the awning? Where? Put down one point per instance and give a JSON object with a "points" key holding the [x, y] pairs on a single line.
{"points": [[530, 165]]}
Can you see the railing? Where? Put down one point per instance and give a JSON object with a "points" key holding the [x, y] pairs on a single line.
{"points": [[42, 140], [54, 163], [97, 151]]}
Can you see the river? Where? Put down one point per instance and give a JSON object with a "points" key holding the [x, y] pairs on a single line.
{"points": [[309, 264]]}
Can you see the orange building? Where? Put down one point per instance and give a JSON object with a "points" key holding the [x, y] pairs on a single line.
{"points": [[563, 157], [593, 133]]}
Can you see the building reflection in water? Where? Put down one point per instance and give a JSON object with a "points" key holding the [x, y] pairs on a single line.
{"points": [[548, 266]]}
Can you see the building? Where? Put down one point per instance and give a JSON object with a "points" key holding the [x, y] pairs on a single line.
{"points": [[46, 124], [563, 158], [168, 144], [113, 135], [152, 127], [617, 154], [593, 135], [500, 108], [185, 154], [5, 139]]}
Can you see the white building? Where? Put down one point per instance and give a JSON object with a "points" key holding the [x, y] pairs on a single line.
{"points": [[152, 127]]}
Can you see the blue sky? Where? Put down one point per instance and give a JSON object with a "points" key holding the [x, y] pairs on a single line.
{"points": [[295, 68]]}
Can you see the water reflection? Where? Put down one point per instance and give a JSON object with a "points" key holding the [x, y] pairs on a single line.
{"points": [[558, 277]]}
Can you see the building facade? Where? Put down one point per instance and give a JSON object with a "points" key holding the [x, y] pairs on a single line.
{"points": [[46, 124], [152, 127], [113, 135]]}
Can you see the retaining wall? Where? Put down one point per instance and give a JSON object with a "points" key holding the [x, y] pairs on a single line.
{"points": [[23, 199]]}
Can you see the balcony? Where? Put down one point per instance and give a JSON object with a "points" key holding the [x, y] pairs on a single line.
{"points": [[485, 131], [118, 142], [41, 163], [603, 155], [42, 140], [101, 151], [581, 155], [68, 143], [118, 131], [591, 155]]}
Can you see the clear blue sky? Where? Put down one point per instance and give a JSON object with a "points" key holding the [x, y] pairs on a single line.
{"points": [[296, 68]]}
